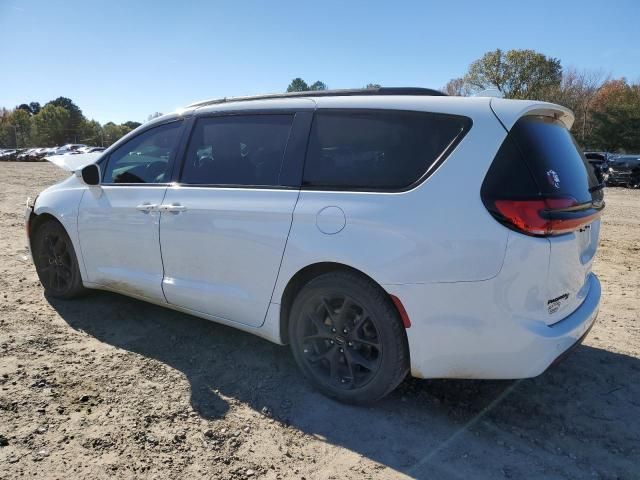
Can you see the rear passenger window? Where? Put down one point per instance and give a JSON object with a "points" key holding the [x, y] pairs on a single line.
{"points": [[237, 150], [378, 150]]}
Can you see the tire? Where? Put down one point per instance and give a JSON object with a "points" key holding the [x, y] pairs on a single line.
{"points": [[56, 261], [347, 338]]}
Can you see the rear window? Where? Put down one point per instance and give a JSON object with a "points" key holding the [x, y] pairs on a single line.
{"points": [[372, 150], [555, 160]]}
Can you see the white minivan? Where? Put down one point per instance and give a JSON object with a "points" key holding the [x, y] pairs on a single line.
{"points": [[378, 232]]}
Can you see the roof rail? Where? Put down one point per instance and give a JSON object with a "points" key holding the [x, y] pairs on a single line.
{"points": [[347, 92]]}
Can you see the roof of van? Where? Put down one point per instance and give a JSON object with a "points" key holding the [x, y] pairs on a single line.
{"points": [[404, 98], [326, 93]]}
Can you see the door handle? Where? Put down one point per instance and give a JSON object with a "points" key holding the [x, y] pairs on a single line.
{"points": [[174, 208], [147, 207]]}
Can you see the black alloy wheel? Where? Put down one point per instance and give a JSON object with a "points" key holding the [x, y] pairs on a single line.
{"points": [[55, 261], [347, 337]]}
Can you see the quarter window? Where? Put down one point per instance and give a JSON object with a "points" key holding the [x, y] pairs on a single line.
{"points": [[145, 158], [377, 150], [242, 150]]}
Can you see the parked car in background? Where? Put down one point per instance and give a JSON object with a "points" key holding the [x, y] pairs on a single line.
{"points": [[599, 161], [379, 232], [624, 171], [13, 157], [25, 155], [94, 149], [7, 153], [69, 148]]}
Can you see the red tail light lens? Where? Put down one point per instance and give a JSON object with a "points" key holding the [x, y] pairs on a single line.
{"points": [[543, 217]]}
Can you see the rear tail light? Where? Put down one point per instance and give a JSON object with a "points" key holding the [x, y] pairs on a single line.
{"points": [[544, 217]]}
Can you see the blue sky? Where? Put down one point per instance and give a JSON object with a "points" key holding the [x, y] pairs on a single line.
{"points": [[122, 60]]}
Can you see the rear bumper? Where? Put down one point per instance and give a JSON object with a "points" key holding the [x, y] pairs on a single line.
{"points": [[459, 331]]}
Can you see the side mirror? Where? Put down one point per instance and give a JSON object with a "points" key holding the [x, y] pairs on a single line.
{"points": [[91, 175]]}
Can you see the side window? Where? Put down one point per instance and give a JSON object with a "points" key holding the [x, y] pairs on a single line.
{"points": [[145, 158], [237, 150], [377, 149]]}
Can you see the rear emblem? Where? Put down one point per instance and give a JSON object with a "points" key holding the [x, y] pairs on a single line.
{"points": [[553, 178]]}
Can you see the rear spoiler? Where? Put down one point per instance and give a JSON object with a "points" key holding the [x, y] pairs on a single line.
{"points": [[73, 163], [509, 111]]}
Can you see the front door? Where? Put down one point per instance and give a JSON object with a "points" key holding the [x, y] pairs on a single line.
{"points": [[118, 222], [223, 229]]}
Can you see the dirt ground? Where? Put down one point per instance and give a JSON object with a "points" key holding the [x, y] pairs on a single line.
{"points": [[110, 387]]}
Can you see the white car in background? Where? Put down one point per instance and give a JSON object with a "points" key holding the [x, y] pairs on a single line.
{"points": [[69, 148], [378, 232]]}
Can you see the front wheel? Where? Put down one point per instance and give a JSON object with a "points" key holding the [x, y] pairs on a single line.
{"points": [[347, 338], [56, 262]]}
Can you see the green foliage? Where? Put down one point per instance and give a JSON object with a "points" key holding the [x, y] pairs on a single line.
{"points": [[298, 85], [31, 108], [132, 125], [91, 133], [15, 128], [25, 107], [35, 108], [58, 122], [523, 74], [74, 123], [616, 117], [50, 125], [113, 132], [318, 86]]}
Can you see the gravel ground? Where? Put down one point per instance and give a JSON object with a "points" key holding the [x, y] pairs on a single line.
{"points": [[110, 387]]}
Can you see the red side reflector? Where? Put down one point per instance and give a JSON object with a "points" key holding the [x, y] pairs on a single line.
{"points": [[401, 310]]}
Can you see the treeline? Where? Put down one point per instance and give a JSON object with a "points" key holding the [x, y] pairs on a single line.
{"points": [[58, 122], [607, 110]]}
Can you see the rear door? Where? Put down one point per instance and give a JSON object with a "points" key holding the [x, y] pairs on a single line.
{"points": [[118, 223], [562, 173], [224, 226]]}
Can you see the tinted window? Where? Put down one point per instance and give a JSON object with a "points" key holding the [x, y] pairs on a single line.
{"points": [[145, 158], [237, 150], [554, 158], [377, 150], [509, 177]]}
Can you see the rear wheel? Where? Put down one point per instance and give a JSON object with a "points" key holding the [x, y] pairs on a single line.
{"points": [[56, 262], [347, 338]]}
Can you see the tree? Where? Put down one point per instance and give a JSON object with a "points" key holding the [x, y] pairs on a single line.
{"points": [[456, 87], [32, 108], [25, 107], [113, 132], [297, 85], [616, 116], [91, 133], [318, 85], [577, 91], [50, 125], [523, 74], [74, 124], [131, 125], [17, 126], [35, 108]]}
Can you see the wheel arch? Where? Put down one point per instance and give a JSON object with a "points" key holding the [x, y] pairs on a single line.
{"points": [[37, 220], [304, 276]]}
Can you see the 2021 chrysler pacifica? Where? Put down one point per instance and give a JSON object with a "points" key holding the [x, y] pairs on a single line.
{"points": [[377, 232]]}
